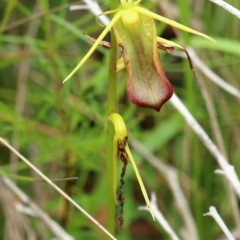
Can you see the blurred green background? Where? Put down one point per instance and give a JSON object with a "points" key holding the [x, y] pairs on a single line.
{"points": [[61, 128]]}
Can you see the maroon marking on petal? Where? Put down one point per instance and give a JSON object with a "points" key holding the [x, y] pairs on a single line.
{"points": [[157, 92]]}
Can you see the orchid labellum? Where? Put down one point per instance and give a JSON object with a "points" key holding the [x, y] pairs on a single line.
{"points": [[135, 32]]}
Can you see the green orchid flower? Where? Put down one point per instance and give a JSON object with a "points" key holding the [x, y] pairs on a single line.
{"points": [[122, 151], [134, 29]]}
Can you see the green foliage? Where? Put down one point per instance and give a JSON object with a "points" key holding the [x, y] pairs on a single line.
{"points": [[62, 128]]}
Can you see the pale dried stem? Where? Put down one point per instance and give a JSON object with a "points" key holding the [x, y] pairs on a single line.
{"points": [[234, 11], [171, 175], [227, 170], [213, 213], [5, 143], [16, 225], [160, 218], [96, 10], [220, 143], [212, 113], [27, 206]]}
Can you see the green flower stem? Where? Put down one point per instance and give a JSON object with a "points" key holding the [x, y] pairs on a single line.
{"points": [[112, 107]]}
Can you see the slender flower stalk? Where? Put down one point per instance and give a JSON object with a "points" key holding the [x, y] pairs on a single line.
{"points": [[112, 107]]}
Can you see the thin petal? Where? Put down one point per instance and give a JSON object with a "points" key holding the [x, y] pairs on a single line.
{"points": [[170, 46], [168, 43], [94, 46], [145, 12], [144, 192]]}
